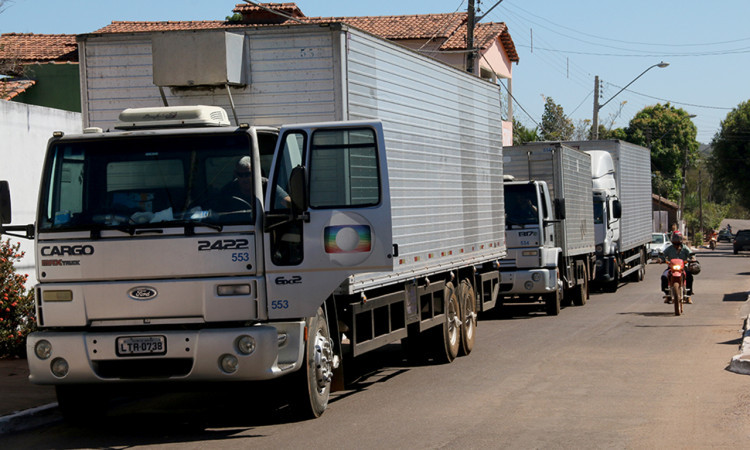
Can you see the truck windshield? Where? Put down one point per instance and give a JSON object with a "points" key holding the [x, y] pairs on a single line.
{"points": [[147, 181], [521, 205]]}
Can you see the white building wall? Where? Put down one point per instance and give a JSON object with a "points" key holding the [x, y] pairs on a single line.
{"points": [[24, 132]]}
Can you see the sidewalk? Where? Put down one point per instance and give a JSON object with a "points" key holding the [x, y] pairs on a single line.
{"points": [[23, 405]]}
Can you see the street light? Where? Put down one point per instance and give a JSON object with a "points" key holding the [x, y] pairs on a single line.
{"points": [[597, 106]]}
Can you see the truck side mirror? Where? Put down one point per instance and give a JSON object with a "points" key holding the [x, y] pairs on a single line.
{"points": [[5, 216], [616, 209], [560, 208], [298, 190]]}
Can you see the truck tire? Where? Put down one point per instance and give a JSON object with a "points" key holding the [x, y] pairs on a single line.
{"points": [[581, 292], [552, 302], [640, 274], [448, 339], [313, 381], [611, 286], [468, 303]]}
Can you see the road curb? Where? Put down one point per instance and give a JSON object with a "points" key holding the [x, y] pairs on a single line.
{"points": [[30, 418], [741, 362]]}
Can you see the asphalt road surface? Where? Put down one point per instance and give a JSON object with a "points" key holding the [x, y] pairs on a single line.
{"points": [[620, 372]]}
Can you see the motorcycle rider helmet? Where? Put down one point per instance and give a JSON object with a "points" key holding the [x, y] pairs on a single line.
{"points": [[694, 267], [676, 237]]}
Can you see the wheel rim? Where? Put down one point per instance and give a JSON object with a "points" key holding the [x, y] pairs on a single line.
{"points": [[454, 322], [323, 361]]}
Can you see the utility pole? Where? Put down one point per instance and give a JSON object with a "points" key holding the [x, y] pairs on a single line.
{"points": [[595, 122], [470, 38]]}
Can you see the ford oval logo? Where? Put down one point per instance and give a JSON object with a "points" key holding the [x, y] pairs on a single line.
{"points": [[142, 293]]}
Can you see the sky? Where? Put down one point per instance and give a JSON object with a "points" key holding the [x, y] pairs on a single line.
{"points": [[562, 46]]}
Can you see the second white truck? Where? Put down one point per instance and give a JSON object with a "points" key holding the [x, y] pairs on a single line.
{"points": [[621, 174], [549, 225]]}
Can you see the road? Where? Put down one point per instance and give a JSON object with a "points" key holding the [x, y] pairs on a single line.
{"points": [[619, 372]]}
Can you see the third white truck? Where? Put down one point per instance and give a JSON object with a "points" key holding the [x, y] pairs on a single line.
{"points": [[621, 174]]}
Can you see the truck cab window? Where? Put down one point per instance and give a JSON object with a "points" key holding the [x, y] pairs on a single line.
{"points": [[344, 169], [286, 238]]}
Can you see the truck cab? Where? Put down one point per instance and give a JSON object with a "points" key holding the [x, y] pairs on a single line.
{"points": [[531, 265], [163, 253], [607, 214]]}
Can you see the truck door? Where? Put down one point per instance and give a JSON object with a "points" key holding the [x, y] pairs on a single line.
{"points": [[344, 225]]}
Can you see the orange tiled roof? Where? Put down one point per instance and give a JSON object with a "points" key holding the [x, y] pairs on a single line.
{"points": [[10, 88], [450, 27], [28, 48]]}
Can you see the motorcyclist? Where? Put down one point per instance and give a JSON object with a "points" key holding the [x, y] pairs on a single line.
{"points": [[679, 251]]}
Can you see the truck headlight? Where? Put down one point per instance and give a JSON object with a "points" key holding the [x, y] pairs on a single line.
{"points": [[57, 296], [536, 276], [59, 367], [43, 349], [228, 363], [233, 289], [245, 344]]}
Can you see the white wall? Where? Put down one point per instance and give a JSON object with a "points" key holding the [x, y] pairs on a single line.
{"points": [[24, 132]]}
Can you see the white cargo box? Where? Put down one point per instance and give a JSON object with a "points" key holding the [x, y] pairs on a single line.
{"points": [[442, 126], [567, 172], [633, 177]]}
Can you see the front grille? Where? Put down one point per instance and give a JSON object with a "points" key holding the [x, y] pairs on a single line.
{"points": [[143, 368]]}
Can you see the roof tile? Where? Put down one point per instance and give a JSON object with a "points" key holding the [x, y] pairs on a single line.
{"points": [[10, 87], [29, 48]]}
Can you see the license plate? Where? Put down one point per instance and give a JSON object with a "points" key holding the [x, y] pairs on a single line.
{"points": [[141, 345]]}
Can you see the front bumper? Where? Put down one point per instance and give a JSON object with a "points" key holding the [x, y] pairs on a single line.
{"points": [[528, 282], [192, 355]]}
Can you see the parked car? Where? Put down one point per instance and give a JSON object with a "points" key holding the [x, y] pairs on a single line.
{"points": [[659, 241], [741, 241], [724, 235]]}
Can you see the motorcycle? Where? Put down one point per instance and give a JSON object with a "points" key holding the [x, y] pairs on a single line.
{"points": [[677, 292], [676, 285], [712, 242]]}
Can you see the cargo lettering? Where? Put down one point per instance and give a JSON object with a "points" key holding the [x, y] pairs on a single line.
{"points": [[67, 250]]}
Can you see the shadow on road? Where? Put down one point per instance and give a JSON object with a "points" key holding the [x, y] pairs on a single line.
{"points": [[648, 313], [735, 297]]}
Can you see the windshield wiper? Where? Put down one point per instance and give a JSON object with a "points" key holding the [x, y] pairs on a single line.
{"points": [[191, 224]]}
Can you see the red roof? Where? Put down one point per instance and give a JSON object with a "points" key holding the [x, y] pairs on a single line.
{"points": [[10, 88], [449, 27], [30, 48]]}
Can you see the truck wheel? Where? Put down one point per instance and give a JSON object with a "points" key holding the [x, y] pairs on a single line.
{"points": [[552, 302], [468, 303], [611, 286], [82, 404], [640, 274], [447, 347], [313, 380], [582, 290]]}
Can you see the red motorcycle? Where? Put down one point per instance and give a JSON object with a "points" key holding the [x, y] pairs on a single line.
{"points": [[677, 285]]}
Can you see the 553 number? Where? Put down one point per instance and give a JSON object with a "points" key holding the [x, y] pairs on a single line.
{"points": [[279, 304], [239, 257]]}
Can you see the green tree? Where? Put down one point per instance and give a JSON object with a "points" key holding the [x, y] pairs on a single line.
{"points": [[16, 305], [671, 136], [555, 125], [523, 134], [730, 160]]}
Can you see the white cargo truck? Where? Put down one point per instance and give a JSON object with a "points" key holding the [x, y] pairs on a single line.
{"points": [[374, 213], [621, 173], [549, 225]]}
